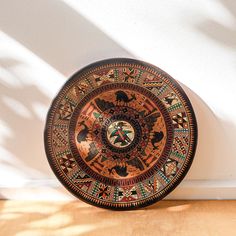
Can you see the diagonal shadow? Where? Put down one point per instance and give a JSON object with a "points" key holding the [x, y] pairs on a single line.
{"points": [[219, 140], [65, 40], [25, 141], [57, 34], [218, 31]]}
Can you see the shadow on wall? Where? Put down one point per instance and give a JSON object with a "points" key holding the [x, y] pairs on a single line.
{"points": [[57, 34], [218, 31], [19, 116], [65, 40], [215, 142]]}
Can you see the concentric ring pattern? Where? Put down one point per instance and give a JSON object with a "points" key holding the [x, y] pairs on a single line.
{"points": [[120, 134]]}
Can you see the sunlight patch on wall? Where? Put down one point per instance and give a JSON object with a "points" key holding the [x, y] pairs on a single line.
{"points": [[20, 66], [16, 107]]}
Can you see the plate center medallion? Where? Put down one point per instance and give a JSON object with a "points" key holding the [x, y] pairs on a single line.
{"points": [[120, 133]]}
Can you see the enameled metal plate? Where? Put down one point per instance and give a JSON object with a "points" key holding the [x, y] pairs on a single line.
{"points": [[120, 134]]}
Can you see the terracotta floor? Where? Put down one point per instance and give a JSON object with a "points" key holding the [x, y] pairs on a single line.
{"points": [[190, 218]]}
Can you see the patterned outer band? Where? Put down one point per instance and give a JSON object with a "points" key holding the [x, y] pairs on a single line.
{"points": [[120, 134]]}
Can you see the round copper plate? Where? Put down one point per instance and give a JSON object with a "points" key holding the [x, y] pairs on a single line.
{"points": [[120, 134]]}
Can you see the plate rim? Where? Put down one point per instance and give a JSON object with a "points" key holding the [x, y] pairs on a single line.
{"points": [[170, 187]]}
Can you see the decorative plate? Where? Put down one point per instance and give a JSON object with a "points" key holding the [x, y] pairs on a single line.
{"points": [[120, 134]]}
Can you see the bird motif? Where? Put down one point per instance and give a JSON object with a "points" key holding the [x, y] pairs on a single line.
{"points": [[83, 134], [120, 170], [157, 137], [121, 96]]}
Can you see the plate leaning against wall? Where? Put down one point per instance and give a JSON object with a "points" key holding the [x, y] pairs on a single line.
{"points": [[120, 134]]}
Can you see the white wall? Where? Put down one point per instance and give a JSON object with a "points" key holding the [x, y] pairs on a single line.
{"points": [[43, 42]]}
